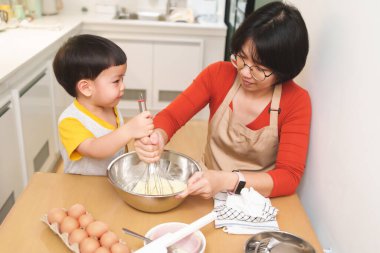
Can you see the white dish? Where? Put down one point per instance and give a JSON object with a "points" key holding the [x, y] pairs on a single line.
{"points": [[194, 243]]}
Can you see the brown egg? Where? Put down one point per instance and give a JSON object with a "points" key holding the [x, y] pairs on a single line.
{"points": [[85, 219], [108, 239], [88, 245], [120, 248], [77, 236], [76, 210], [68, 225], [96, 228], [102, 250], [56, 215]]}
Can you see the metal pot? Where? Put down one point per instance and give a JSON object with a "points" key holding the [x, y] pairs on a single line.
{"points": [[128, 168], [285, 243]]}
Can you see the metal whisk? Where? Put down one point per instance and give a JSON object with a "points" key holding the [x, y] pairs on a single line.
{"points": [[156, 179]]}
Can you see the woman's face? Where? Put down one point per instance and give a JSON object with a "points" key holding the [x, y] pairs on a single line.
{"points": [[254, 77]]}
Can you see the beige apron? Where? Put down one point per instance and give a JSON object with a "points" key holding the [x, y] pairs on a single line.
{"points": [[233, 146]]}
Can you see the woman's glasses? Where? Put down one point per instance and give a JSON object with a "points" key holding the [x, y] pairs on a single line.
{"points": [[257, 73]]}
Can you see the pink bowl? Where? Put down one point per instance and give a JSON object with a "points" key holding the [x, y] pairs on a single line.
{"points": [[194, 243]]}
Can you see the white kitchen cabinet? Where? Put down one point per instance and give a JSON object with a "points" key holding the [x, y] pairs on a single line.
{"points": [[176, 64], [36, 115], [139, 77], [159, 69], [11, 178]]}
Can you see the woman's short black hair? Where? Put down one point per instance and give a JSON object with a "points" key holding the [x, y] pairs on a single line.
{"points": [[85, 57], [279, 39]]}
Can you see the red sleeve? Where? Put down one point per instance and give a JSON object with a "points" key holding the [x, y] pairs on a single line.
{"points": [[294, 140], [209, 87]]}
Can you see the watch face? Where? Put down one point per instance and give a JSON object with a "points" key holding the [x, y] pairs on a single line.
{"points": [[239, 187]]}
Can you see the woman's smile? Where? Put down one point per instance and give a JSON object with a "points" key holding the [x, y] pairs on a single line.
{"points": [[248, 82]]}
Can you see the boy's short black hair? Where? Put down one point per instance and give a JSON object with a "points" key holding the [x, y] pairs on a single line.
{"points": [[280, 39], [85, 57]]}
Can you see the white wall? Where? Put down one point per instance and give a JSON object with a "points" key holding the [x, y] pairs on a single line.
{"points": [[341, 186]]}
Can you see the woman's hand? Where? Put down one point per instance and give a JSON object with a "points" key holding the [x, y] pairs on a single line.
{"points": [[149, 148], [208, 183]]}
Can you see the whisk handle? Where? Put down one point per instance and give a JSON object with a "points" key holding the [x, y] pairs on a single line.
{"points": [[142, 104]]}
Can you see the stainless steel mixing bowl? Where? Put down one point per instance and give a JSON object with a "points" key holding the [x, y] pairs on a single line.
{"points": [[128, 168]]}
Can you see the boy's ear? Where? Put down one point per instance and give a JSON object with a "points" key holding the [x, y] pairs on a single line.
{"points": [[85, 87]]}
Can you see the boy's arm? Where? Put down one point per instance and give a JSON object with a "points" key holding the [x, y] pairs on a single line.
{"points": [[107, 145]]}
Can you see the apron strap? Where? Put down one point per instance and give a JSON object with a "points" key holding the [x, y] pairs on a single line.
{"points": [[274, 108], [226, 102], [230, 95]]}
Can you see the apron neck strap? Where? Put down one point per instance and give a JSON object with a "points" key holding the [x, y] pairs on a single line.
{"points": [[230, 95], [274, 108]]}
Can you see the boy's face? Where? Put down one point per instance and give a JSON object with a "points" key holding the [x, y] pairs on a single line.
{"points": [[109, 86]]}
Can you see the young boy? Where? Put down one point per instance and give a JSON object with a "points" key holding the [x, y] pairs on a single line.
{"points": [[91, 130]]}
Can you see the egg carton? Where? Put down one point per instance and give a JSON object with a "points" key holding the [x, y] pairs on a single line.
{"points": [[64, 236]]}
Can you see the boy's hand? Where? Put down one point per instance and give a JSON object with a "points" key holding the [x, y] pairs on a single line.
{"points": [[140, 125]]}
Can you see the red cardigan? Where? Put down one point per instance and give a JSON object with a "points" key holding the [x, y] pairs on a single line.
{"points": [[211, 86]]}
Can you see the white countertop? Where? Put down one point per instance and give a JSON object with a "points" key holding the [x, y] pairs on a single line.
{"points": [[19, 46], [93, 18]]}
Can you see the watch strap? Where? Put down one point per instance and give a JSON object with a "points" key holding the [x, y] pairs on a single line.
{"points": [[241, 183]]}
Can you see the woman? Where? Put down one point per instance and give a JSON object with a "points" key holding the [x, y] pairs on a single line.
{"points": [[259, 121]]}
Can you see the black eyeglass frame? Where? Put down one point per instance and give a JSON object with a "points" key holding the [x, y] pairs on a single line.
{"points": [[250, 68]]}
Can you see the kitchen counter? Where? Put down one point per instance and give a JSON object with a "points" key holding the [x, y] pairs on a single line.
{"points": [[155, 27], [21, 46], [23, 231]]}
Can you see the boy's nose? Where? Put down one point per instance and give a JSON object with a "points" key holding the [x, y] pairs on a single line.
{"points": [[122, 86]]}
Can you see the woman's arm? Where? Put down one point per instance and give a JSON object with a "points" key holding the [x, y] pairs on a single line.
{"points": [[208, 183], [293, 146], [208, 88]]}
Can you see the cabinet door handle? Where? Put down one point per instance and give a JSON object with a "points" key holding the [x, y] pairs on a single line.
{"points": [[4, 108], [32, 83]]}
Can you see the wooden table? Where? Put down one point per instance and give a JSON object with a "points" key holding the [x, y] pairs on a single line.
{"points": [[22, 230]]}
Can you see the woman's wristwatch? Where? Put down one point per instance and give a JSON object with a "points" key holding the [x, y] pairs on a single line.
{"points": [[241, 183]]}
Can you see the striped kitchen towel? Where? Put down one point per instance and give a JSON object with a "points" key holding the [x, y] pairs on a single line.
{"points": [[247, 213]]}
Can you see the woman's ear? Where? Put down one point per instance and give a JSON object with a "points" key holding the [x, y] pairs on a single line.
{"points": [[85, 87]]}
